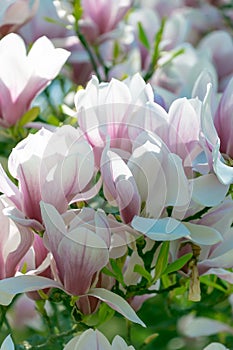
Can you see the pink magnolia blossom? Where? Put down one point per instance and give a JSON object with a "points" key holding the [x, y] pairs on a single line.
{"points": [[24, 76], [40, 24], [102, 16], [95, 340], [83, 242], [49, 166], [159, 175], [14, 13], [114, 110]]}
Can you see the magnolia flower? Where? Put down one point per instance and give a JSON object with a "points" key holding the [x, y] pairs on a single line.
{"points": [[115, 110], [40, 25], [49, 166], [24, 76], [83, 242], [165, 185], [102, 16], [24, 314], [14, 13], [95, 340]]}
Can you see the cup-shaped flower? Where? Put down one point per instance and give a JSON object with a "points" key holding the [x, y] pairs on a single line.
{"points": [[159, 175], [95, 340], [39, 25], [22, 76], [49, 166], [82, 243], [106, 110], [14, 13], [102, 16]]}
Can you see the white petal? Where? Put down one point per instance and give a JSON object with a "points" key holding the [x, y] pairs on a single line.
{"points": [[116, 303], [215, 346], [166, 229], [203, 326], [9, 287], [201, 234], [7, 344], [208, 191]]}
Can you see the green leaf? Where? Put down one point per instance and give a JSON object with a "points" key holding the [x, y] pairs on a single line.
{"points": [[117, 303], [116, 50], [207, 281], [157, 41], [78, 10], [52, 120], [105, 313], [140, 269], [117, 271], [178, 264], [108, 272], [173, 54], [29, 116], [162, 260], [143, 37]]}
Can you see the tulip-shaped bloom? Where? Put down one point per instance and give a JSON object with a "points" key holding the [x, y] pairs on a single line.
{"points": [[95, 340], [102, 16], [14, 13], [159, 175], [22, 76], [162, 183], [82, 242], [114, 110], [79, 242], [49, 166], [39, 25], [14, 243]]}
